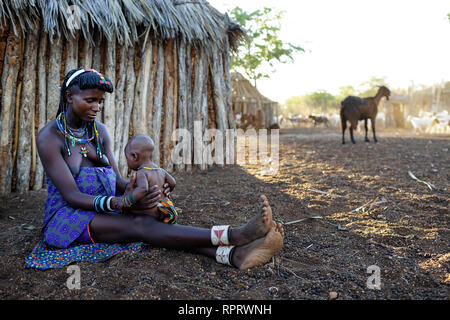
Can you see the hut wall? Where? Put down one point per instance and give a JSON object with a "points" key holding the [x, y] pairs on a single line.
{"points": [[167, 85]]}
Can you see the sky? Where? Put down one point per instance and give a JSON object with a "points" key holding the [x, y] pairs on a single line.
{"points": [[347, 42]]}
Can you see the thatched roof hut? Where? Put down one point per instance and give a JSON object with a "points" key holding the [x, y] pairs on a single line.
{"points": [[168, 59], [250, 106]]}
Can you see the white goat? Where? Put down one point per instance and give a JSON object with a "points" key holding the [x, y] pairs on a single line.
{"points": [[335, 120], [442, 122], [421, 123]]}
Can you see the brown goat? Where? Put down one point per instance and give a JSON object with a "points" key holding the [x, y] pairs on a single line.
{"points": [[354, 109]]}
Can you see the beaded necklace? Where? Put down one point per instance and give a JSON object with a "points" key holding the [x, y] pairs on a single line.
{"points": [[147, 168], [68, 135]]}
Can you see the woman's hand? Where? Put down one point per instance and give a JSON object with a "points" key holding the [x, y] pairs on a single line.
{"points": [[130, 185], [149, 201]]}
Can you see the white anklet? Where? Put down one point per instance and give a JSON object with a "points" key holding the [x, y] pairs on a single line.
{"points": [[224, 255], [220, 235]]}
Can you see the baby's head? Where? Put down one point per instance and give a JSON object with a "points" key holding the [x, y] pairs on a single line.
{"points": [[139, 151]]}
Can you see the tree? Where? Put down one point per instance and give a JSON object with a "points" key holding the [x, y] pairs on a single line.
{"points": [[294, 105], [320, 100], [315, 102], [258, 54], [344, 92], [371, 86]]}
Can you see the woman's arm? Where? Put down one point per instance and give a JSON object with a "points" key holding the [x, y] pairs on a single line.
{"points": [[51, 150]]}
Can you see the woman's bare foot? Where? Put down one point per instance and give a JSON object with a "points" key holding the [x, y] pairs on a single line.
{"points": [[257, 227], [259, 251]]}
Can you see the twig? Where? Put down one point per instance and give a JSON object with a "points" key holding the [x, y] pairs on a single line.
{"points": [[295, 275], [316, 217], [295, 261], [371, 202], [429, 185], [296, 221], [327, 193], [364, 205]]}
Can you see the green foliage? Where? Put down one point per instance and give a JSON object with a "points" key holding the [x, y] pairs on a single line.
{"points": [[344, 92], [369, 88], [257, 57], [311, 103]]}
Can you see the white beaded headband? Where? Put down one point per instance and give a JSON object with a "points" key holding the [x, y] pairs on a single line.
{"points": [[77, 73]]}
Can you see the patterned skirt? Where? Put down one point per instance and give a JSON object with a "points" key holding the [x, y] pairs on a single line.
{"points": [[63, 225]]}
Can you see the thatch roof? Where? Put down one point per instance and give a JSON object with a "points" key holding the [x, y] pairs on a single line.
{"points": [[195, 21], [243, 91]]}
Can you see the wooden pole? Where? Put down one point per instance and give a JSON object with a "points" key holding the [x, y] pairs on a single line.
{"points": [[227, 88], [175, 93], [128, 107], [189, 107], [96, 54], [120, 106], [141, 112], [53, 80], [197, 100], [217, 75], [168, 105], [182, 96], [157, 104], [109, 110], [205, 115], [16, 114], [72, 52], [26, 112], [41, 103], [11, 67], [86, 55], [151, 86]]}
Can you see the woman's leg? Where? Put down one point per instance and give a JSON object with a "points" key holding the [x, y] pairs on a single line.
{"points": [[113, 228], [255, 242], [254, 253]]}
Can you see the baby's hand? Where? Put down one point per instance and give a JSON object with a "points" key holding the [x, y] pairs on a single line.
{"points": [[166, 189]]}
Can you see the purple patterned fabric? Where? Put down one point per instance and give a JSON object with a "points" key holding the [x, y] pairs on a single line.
{"points": [[64, 224]]}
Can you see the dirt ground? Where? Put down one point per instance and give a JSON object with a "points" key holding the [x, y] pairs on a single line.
{"points": [[402, 228]]}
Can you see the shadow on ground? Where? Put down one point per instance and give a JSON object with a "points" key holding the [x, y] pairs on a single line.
{"points": [[401, 226]]}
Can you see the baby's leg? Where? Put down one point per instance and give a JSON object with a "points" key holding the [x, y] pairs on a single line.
{"points": [[153, 212]]}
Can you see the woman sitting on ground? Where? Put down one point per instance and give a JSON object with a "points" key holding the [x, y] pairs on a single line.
{"points": [[86, 193]]}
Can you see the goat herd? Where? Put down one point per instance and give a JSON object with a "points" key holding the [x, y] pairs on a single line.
{"points": [[355, 109]]}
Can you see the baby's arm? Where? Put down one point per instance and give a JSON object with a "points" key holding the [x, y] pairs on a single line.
{"points": [[170, 180], [141, 186]]}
